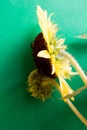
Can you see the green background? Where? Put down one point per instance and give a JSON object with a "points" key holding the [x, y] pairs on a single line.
{"points": [[18, 28]]}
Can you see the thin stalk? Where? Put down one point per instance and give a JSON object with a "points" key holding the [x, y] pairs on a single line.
{"points": [[78, 114], [75, 92], [76, 66]]}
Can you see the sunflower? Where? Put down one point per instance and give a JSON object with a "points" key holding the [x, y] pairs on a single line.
{"points": [[58, 66], [53, 62]]}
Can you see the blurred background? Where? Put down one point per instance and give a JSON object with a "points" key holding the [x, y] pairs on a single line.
{"points": [[18, 28]]}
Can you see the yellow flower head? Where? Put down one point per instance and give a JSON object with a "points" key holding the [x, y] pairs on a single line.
{"points": [[53, 62], [60, 65]]}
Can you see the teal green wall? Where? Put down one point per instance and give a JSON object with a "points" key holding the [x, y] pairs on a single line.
{"points": [[18, 28]]}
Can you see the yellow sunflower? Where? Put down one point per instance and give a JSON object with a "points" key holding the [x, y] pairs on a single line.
{"points": [[60, 65], [52, 62]]}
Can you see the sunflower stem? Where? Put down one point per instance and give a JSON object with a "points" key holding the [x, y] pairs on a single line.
{"points": [[76, 66], [78, 114]]}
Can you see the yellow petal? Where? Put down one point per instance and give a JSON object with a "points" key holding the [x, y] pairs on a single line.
{"points": [[53, 69], [48, 28], [43, 54], [65, 88], [60, 41], [84, 36]]}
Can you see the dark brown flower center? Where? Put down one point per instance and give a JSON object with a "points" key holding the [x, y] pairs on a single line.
{"points": [[44, 65]]}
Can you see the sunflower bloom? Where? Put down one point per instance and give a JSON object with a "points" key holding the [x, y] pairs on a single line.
{"points": [[52, 62], [60, 65]]}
